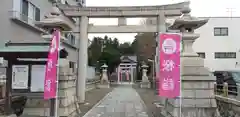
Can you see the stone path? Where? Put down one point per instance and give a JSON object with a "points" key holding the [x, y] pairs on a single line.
{"points": [[121, 102]]}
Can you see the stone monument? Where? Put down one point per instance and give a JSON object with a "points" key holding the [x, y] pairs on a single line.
{"points": [[104, 83], [197, 90], [145, 82]]}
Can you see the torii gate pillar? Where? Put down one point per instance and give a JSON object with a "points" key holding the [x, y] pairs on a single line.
{"points": [[82, 59]]}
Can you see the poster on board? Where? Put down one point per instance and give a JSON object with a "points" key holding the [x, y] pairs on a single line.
{"points": [[20, 76], [38, 75]]}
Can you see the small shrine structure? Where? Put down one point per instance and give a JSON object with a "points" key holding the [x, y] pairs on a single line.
{"points": [[127, 67]]}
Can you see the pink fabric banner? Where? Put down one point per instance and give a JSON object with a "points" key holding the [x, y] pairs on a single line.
{"points": [[169, 74], [50, 83]]}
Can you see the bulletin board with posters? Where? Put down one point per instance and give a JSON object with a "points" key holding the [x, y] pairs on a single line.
{"points": [[37, 78]]}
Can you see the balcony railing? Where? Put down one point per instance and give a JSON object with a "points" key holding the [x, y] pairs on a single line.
{"points": [[24, 20]]}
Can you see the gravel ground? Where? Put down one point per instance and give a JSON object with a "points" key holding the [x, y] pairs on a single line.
{"points": [[92, 98], [149, 97]]}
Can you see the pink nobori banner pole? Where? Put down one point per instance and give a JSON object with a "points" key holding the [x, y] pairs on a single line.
{"points": [[169, 74], [50, 82]]}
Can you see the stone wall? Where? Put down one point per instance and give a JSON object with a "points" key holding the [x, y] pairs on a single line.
{"points": [[228, 107]]}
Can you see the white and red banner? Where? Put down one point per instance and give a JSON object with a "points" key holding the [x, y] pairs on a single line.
{"points": [[50, 82], [169, 74]]}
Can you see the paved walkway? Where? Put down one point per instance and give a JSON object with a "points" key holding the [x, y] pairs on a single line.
{"points": [[121, 102]]}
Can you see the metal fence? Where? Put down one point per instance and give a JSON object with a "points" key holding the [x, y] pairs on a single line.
{"points": [[226, 90]]}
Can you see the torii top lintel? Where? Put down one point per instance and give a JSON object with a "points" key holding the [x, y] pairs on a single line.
{"points": [[124, 11]]}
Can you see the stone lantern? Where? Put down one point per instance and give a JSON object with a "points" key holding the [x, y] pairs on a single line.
{"points": [[197, 97], [145, 82], [104, 77]]}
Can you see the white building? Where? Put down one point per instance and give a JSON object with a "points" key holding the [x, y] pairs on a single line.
{"points": [[219, 43]]}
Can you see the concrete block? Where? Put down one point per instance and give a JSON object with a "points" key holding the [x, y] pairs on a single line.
{"points": [[213, 102], [67, 92], [198, 78], [193, 61], [67, 84], [65, 102], [103, 85], [194, 71], [188, 93], [195, 85], [64, 77], [205, 93], [145, 85], [211, 85]]}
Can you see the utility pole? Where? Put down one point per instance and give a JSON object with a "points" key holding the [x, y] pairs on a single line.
{"points": [[230, 11]]}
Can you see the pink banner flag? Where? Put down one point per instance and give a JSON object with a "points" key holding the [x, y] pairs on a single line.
{"points": [[50, 83], [169, 74]]}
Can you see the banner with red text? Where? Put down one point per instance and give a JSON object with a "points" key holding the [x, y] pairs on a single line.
{"points": [[50, 83], [169, 74]]}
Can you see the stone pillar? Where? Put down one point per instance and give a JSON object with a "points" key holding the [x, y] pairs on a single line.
{"points": [[68, 104], [131, 73], [83, 59], [197, 89], [161, 28], [122, 21], [118, 74]]}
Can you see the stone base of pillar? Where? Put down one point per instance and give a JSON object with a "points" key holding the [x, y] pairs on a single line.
{"points": [[145, 84], [106, 85], [197, 92], [67, 100]]}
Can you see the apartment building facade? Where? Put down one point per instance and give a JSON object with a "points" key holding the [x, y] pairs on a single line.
{"points": [[218, 43], [17, 23]]}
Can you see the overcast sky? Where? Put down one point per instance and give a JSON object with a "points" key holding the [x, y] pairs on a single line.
{"points": [[200, 8]]}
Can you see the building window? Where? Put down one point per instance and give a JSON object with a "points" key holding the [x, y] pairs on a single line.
{"points": [[223, 55], [220, 31], [26, 11], [71, 38], [72, 66], [201, 54], [31, 13], [37, 14]]}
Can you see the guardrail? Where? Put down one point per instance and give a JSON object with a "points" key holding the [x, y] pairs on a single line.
{"points": [[226, 90]]}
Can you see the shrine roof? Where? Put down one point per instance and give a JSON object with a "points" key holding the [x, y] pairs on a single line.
{"points": [[130, 59]]}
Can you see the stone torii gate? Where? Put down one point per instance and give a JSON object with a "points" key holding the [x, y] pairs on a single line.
{"points": [[161, 13], [84, 13]]}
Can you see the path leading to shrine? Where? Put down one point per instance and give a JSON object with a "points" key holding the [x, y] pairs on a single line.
{"points": [[121, 102]]}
